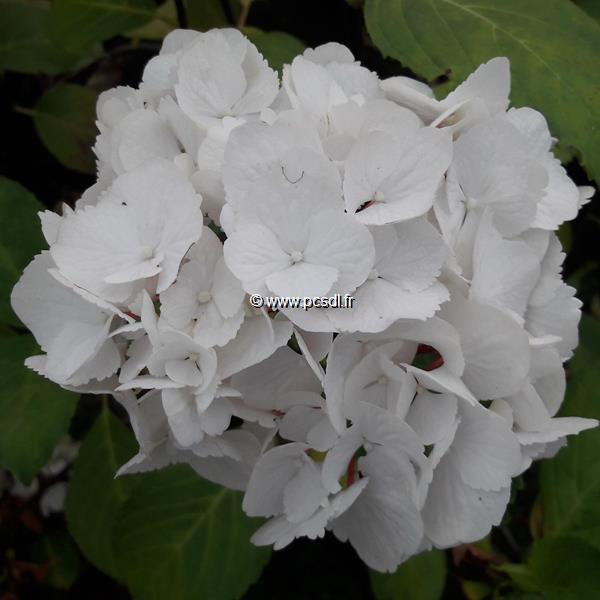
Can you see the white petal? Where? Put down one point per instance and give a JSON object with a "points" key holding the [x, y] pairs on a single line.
{"points": [[485, 450], [455, 513], [180, 407], [495, 347], [263, 385], [252, 253], [305, 493], [504, 271], [490, 82], [256, 340], [383, 524], [337, 241], [399, 175], [271, 475], [302, 278], [431, 414], [67, 327]]}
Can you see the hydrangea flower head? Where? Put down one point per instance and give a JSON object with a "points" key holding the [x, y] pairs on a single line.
{"points": [[397, 423]]}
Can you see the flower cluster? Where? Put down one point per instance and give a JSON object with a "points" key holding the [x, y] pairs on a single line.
{"points": [[397, 424]]}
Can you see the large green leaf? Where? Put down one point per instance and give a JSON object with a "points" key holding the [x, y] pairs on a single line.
{"points": [[78, 24], [277, 47], [34, 412], [565, 569], [423, 577], [553, 47], [24, 42], [64, 118], [21, 239], [183, 538], [94, 495], [570, 482]]}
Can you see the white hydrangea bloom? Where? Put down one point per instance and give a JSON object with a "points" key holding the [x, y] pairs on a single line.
{"points": [[398, 423]]}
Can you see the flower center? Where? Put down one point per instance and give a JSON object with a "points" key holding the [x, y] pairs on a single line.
{"points": [[147, 252], [379, 196], [204, 297], [296, 256], [382, 380]]}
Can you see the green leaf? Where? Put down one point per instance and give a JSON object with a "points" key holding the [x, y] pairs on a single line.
{"points": [[34, 412], [423, 577], [181, 537], [565, 568], [277, 47], [64, 118], [553, 47], [59, 550], [94, 495], [570, 483], [21, 239], [24, 42], [206, 14], [78, 24]]}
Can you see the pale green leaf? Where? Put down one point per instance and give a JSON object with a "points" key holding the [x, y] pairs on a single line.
{"points": [[94, 495], [64, 118], [21, 239], [183, 538], [570, 482], [34, 412], [78, 24], [553, 47], [422, 577]]}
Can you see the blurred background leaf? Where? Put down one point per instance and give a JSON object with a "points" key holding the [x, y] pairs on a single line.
{"points": [[58, 550], [64, 119], [21, 239], [25, 44], [76, 25], [34, 412]]}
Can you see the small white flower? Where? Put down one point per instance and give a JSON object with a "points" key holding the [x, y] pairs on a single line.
{"points": [[141, 229], [206, 300], [221, 74]]}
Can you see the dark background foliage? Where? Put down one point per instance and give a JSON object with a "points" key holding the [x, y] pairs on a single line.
{"points": [[536, 552]]}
